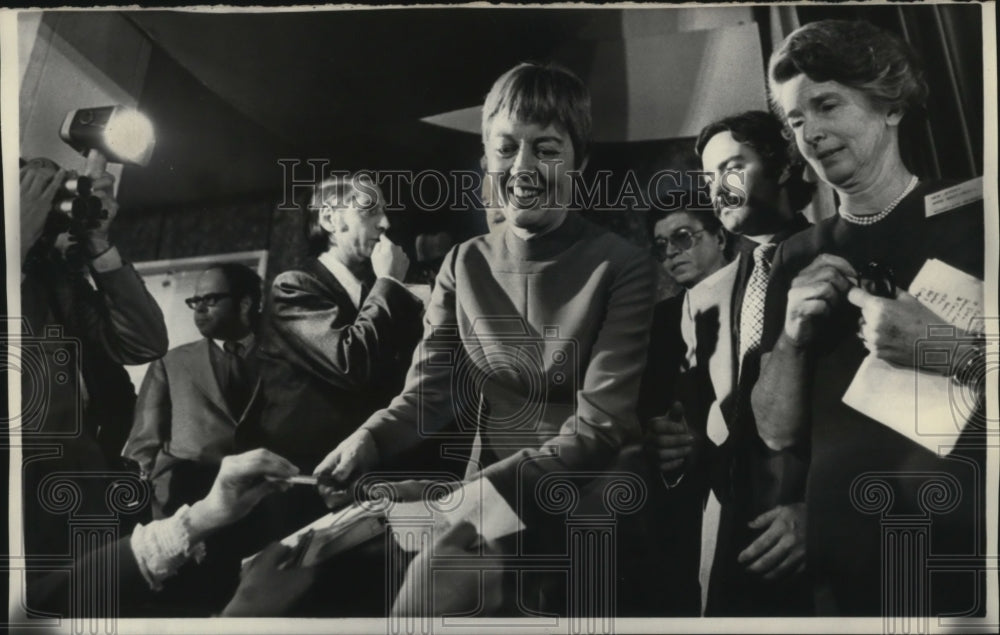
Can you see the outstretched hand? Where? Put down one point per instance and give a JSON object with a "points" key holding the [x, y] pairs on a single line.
{"points": [[243, 480], [354, 456]]}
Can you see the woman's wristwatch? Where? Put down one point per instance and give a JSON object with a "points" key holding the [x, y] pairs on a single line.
{"points": [[969, 370]]}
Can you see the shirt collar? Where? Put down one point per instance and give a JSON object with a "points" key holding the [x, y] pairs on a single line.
{"points": [[344, 276], [245, 344], [797, 223]]}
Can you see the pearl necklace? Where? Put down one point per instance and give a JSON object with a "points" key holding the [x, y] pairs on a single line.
{"points": [[874, 218]]}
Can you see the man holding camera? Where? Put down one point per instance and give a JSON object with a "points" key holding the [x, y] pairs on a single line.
{"points": [[78, 411]]}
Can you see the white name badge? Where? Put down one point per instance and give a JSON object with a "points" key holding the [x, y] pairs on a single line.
{"points": [[953, 197]]}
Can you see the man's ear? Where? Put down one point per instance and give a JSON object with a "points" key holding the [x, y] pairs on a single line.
{"points": [[245, 305], [332, 220], [326, 220]]}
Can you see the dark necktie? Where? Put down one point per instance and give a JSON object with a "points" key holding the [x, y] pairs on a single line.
{"points": [[235, 386]]}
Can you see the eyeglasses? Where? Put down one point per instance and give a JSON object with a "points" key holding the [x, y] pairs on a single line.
{"points": [[209, 299], [877, 279], [682, 240]]}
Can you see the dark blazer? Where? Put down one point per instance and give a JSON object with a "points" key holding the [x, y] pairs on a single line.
{"points": [[750, 479], [196, 590], [326, 365], [677, 519], [74, 331], [182, 417], [117, 323]]}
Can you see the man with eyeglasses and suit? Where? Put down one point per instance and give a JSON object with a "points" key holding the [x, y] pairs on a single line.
{"points": [[692, 247], [753, 532], [194, 398]]}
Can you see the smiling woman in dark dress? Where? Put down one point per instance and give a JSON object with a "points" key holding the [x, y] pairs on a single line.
{"points": [[844, 88]]}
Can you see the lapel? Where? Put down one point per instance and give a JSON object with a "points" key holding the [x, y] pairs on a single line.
{"points": [[203, 376], [335, 289]]}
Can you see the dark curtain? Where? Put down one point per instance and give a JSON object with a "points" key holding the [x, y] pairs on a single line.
{"points": [[948, 142]]}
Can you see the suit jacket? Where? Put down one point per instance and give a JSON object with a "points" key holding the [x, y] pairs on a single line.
{"points": [[182, 416], [677, 521], [181, 413], [78, 404], [746, 477], [196, 590], [117, 323], [326, 365]]}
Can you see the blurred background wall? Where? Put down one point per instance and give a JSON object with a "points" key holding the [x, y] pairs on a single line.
{"points": [[231, 94]]}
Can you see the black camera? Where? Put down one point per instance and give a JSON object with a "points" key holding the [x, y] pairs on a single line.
{"points": [[82, 210], [877, 279]]}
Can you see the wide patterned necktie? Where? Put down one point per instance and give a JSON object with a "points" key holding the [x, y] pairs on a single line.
{"points": [[752, 312]]}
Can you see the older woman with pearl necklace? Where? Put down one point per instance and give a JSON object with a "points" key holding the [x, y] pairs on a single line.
{"points": [[837, 294]]}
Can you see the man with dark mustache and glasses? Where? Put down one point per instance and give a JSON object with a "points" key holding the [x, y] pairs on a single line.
{"points": [[752, 534]]}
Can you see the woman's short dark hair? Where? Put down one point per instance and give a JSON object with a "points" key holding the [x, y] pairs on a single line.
{"points": [[856, 54], [543, 94]]}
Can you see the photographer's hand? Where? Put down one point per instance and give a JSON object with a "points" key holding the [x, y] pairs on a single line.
{"points": [[97, 241], [39, 185]]}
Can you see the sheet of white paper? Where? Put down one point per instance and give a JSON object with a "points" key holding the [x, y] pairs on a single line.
{"points": [[344, 516], [953, 295], [922, 405], [477, 502], [916, 404]]}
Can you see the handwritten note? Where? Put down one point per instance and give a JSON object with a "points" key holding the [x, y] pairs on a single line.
{"points": [[952, 295], [918, 404]]}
